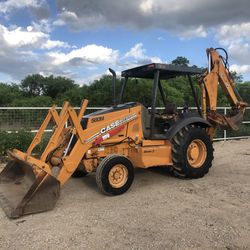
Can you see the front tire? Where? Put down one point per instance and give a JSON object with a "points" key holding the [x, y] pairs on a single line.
{"points": [[192, 153], [114, 175]]}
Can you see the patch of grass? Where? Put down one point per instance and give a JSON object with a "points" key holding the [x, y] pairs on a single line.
{"points": [[20, 140]]}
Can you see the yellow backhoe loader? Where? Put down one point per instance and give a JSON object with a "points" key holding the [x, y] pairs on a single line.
{"points": [[114, 141]]}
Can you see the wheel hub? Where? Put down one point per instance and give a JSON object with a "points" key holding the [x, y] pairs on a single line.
{"points": [[118, 176], [196, 153]]}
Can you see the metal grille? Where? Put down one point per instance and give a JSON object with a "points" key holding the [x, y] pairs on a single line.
{"points": [[30, 118]]}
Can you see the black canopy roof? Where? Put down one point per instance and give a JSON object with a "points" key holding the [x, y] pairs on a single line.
{"points": [[166, 71]]}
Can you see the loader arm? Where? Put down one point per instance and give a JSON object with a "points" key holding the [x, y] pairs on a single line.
{"points": [[60, 151], [218, 73]]}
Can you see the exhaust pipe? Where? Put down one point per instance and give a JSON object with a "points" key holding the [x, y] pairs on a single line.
{"points": [[114, 85]]}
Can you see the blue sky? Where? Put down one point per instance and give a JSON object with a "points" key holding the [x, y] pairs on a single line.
{"points": [[82, 39]]}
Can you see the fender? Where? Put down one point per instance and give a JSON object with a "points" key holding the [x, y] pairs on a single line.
{"points": [[184, 121]]}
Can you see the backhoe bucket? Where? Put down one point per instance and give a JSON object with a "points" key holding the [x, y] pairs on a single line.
{"points": [[22, 192], [235, 121]]}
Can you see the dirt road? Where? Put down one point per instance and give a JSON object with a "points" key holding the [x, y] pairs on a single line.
{"points": [[158, 212]]}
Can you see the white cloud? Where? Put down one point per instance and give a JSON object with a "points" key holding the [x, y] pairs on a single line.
{"points": [[9, 5], [50, 44], [70, 17], [242, 69], [192, 18], [227, 21], [20, 37], [199, 31], [29, 28], [156, 59], [236, 38], [97, 76], [59, 22], [21, 47], [43, 25], [39, 8], [138, 53], [21, 55], [90, 54], [28, 38], [147, 6], [66, 16], [229, 33], [18, 55]]}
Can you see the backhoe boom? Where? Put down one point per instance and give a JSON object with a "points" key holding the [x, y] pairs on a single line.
{"points": [[218, 73]]}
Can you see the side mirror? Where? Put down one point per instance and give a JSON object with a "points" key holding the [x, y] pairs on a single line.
{"points": [[114, 85]]}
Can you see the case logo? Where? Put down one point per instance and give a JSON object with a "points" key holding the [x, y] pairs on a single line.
{"points": [[112, 126]]}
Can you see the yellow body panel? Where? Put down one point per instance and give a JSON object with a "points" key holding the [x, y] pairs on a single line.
{"points": [[150, 156]]}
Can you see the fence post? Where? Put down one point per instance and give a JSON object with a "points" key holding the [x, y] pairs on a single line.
{"points": [[225, 131]]}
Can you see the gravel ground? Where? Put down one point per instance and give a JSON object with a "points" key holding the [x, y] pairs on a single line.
{"points": [[158, 212]]}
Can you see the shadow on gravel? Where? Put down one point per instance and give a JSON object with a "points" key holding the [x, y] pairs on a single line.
{"points": [[90, 181], [142, 178], [167, 171]]}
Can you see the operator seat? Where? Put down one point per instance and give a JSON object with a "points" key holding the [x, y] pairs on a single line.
{"points": [[170, 109]]}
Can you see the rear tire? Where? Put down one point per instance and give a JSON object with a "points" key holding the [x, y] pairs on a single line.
{"points": [[192, 153], [114, 175]]}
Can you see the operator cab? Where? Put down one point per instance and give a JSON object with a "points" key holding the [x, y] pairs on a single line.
{"points": [[155, 125]]}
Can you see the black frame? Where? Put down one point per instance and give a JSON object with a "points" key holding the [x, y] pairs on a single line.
{"points": [[157, 72]]}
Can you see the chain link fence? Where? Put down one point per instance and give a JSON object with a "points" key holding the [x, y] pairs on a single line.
{"points": [[30, 118]]}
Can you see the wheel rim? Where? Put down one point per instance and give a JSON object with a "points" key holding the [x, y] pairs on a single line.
{"points": [[118, 176], [196, 153]]}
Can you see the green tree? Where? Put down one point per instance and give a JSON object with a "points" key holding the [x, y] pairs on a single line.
{"points": [[139, 90], [33, 85], [181, 92], [74, 95], [56, 86], [244, 90], [8, 93], [180, 60], [238, 78], [34, 101], [222, 97], [100, 93]]}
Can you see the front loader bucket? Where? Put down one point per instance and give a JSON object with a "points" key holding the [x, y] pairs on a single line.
{"points": [[22, 192]]}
